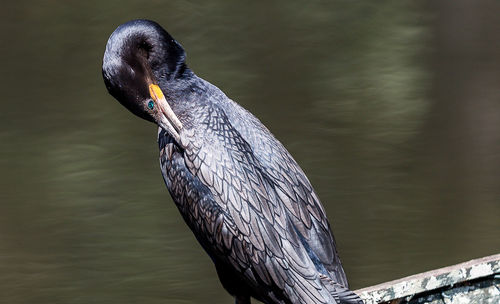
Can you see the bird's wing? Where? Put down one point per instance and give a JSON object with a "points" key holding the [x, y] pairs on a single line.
{"points": [[293, 187], [252, 229]]}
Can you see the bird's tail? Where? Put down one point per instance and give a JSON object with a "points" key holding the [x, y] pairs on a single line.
{"points": [[341, 294]]}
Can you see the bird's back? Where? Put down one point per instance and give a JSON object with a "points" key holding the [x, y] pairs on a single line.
{"points": [[261, 217], [296, 192]]}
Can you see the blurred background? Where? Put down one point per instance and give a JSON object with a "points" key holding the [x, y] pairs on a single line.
{"points": [[392, 108]]}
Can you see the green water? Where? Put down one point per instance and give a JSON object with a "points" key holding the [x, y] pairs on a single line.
{"points": [[392, 108]]}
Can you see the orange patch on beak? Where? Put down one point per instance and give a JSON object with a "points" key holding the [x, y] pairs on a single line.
{"points": [[155, 92]]}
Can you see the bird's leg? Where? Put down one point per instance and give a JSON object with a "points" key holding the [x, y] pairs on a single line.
{"points": [[242, 300]]}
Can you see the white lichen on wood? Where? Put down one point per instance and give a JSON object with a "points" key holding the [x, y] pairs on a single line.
{"points": [[446, 282]]}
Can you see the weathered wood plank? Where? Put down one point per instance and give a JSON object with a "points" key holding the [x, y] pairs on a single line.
{"points": [[479, 272]]}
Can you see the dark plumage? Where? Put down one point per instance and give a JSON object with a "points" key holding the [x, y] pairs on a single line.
{"points": [[239, 190]]}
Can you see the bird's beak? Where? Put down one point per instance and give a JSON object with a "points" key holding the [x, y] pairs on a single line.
{"points": [[167, 118]]}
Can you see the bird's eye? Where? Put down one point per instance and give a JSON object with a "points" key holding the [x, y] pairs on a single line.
{"points": [[151, 105]]}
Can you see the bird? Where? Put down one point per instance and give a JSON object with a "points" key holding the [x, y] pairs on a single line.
{"points": [[245, 198]]}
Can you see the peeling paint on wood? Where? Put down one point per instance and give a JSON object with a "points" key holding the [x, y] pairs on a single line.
{"points": [[476, 281]]}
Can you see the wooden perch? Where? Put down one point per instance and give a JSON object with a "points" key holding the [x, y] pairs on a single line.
{"points": [[476, 281]]}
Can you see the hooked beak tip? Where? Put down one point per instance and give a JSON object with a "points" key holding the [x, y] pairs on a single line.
{"points": [[172, 123]]}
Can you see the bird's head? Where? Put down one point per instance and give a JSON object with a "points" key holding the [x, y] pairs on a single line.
{"points": [[139, 56]]}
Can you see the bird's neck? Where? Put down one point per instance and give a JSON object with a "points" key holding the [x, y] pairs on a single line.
{"points": [[175, 87], [188, 95], [189, 90]]}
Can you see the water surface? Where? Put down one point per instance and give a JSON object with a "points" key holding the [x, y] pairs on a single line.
{"points": [[391, 108]]}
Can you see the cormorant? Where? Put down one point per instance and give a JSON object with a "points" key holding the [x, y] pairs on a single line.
{"points": [[245, 198]]}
